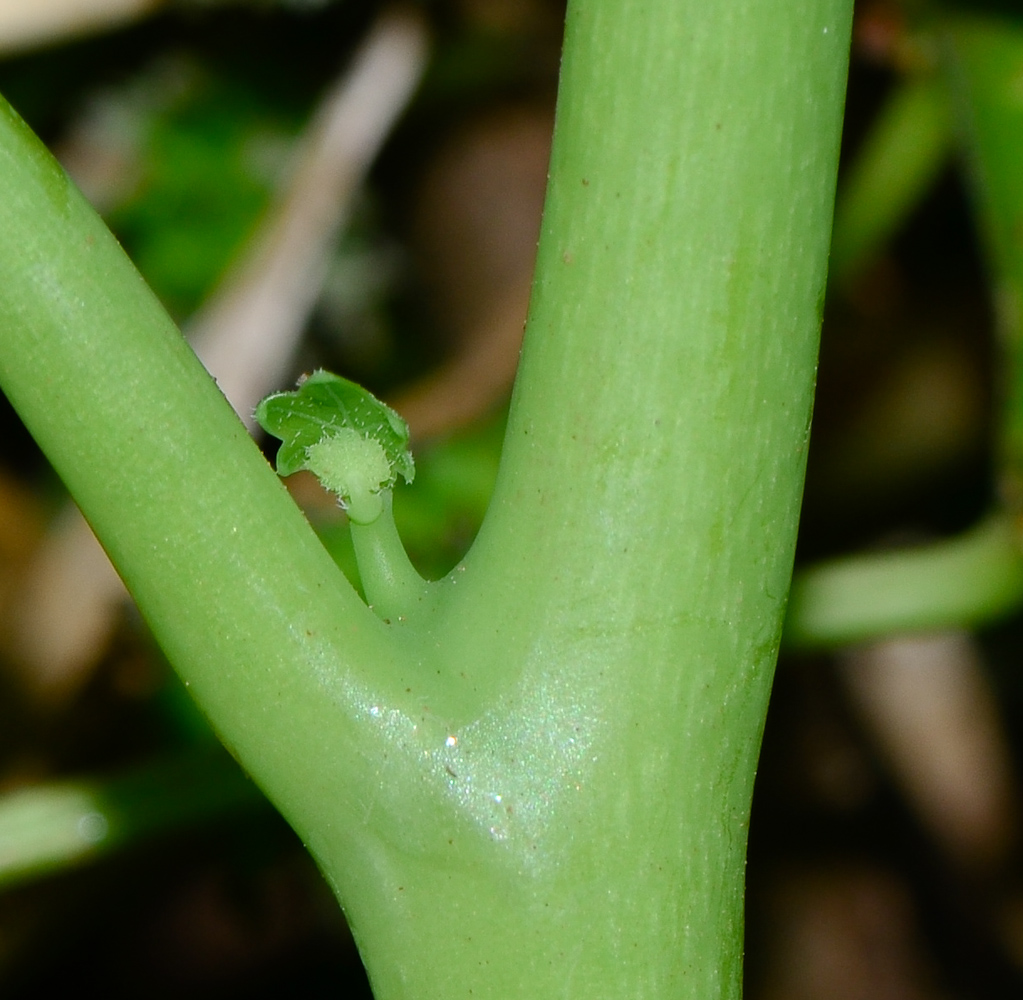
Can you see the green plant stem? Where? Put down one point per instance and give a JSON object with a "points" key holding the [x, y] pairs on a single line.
{"points": [[909, 143], [962, 582], [542, 789], [626, 589], [281, 653], [44, 828], [393, 587], [984, 59]]}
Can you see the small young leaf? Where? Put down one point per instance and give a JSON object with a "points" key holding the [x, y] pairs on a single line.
{"points": [[354, 444]]}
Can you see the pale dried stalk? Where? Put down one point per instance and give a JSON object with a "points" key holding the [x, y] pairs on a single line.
{"points": [[26, 24], [928, 705], [246, 334]]}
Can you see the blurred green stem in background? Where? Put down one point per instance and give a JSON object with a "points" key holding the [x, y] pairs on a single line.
{"points": [[965, 581], [909, 143], [985, 63], [973, 96], [55, 825]]}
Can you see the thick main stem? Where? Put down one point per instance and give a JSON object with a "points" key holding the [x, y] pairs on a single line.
{"points": [[610, 642]]}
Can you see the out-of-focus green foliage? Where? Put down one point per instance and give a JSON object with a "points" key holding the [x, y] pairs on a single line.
{"points": [[209, 154]]}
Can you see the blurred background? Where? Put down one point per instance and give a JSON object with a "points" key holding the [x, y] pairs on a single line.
{"points": [[352, 185]]}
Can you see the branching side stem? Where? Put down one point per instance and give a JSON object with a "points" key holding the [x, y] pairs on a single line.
{"points": [[393, 587]]}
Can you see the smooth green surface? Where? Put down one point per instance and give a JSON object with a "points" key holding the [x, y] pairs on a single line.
{"points": [[985, 59], [47, 827], [908, 145], [393, 587], [539, 785], [958, 583], [267, 634], [613, 631]]}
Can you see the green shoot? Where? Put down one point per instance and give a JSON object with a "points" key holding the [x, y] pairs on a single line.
{"points": [[357, 447], [354, 444]]}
